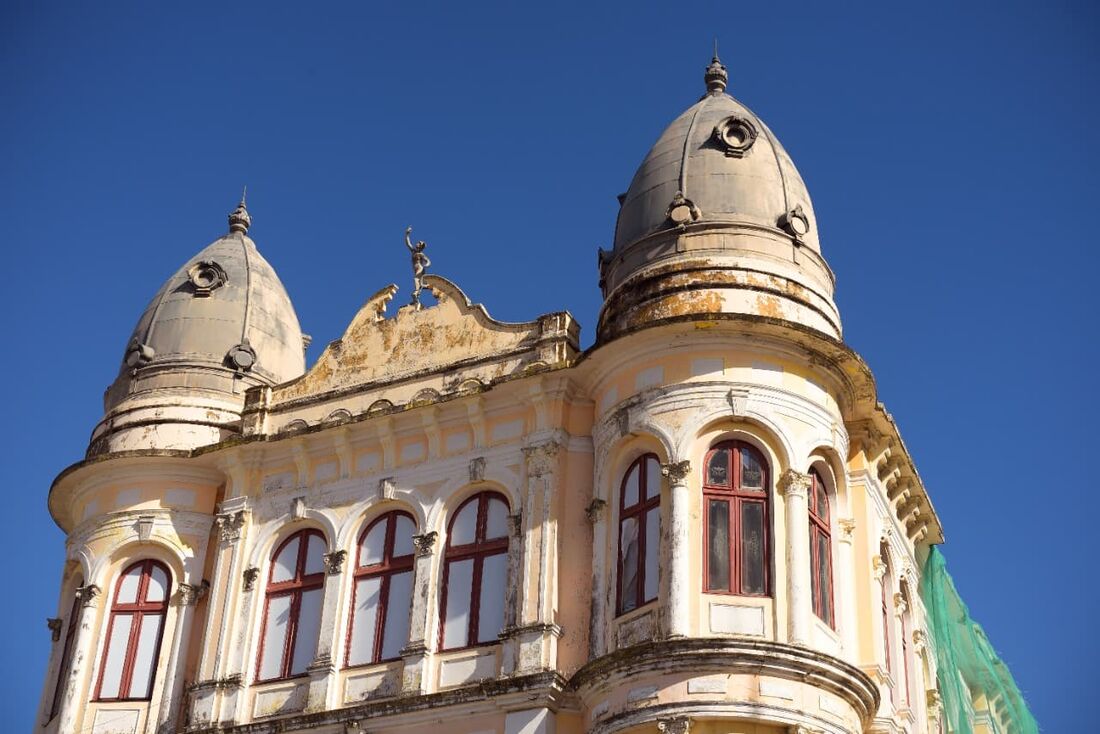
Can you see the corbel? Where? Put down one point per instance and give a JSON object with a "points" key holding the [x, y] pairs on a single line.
{"points": [[54, 625]]}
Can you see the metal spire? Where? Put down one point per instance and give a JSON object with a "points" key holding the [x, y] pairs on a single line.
{"points": [[240, 220], [716, 76]]}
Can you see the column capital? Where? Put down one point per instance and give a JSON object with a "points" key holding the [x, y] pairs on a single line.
{"points": [[594, 510], [794, 483], [250, 575], [189, 594], [677, 472], [847, 528], [541, 458], [88, 594], [424, 543], [229, 525], [674, 725], [334, 562]]}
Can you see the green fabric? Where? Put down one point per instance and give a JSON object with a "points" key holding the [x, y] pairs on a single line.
{"points": [[967, 665]]}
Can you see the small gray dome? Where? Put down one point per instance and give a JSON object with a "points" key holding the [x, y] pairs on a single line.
{"points": [[726, 165]]}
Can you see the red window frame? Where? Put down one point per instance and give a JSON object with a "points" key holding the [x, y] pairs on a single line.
{"points": [[478, 550], [295, 587], [66, 656], [138, 610], [736, 497], [386, 569], [639, 511], [886, 618], [905, 643], [819, 528]]}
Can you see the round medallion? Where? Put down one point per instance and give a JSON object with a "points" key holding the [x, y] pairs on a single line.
{"points": [[795, 222], [734, 136], [241, 357], [206, 276]]}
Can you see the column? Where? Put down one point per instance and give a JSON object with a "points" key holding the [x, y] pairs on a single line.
{"points": [[415, 654], [322, 671], [679, 549], [184, 600], [794, 487], [844, 601], [73, 699]]}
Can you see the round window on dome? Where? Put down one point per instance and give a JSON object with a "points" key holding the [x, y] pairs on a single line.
{"points": [[734, 136]]}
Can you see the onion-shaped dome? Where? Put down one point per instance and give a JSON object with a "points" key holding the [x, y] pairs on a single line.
{"points": [[717, 196], [221, 324]]}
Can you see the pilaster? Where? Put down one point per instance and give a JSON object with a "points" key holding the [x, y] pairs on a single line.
{"points": [[794, 487], [679, 550], [416, 654]]}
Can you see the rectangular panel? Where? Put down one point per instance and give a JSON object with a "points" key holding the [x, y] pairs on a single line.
{"points": [[363, 620], [491, 609], [456, 621], [736, 619], [309, 627], [278, 617], [718, 545], [752, 548], [398, 608], [145, 661], [652, 553], [116, 655]]}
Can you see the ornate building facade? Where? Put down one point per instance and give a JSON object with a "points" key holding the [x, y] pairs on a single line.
{"points": [[705, 522]]}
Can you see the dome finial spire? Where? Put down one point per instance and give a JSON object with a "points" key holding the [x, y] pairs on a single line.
{"points": [[240, 220], [716, 76]]}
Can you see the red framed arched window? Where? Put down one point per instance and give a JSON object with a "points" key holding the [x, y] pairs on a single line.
{"points": [[134, 632], [821, 549], [475, 570], [382, 591], [292, 606], [66, 654], [735, 509], [639, 533]]}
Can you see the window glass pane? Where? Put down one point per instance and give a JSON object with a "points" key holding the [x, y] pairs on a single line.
{"points": [[630, 487], [116, 655], [456, 621], [309, 627], [464, 525], [752, 548], [286, 562], [496, 520], [145, 661], [158, 585], [398, 608], [315, 561], [490, 619], [822, 498], [370, 550], [278, 616], [652, 553], [652, 477], [403, 536], [628, 563], [128, 589], [363, 619], [718, 474], [752, 473], [824, 566], [718, 545]]}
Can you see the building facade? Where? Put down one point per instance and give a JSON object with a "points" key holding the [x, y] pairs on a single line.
{"points": [[705, 522]]}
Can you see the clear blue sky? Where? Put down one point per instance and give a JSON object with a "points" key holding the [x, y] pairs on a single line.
{"points": [[951, 152]]}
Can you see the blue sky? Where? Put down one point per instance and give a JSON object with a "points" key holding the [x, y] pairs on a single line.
{"points": [[949, 148]]}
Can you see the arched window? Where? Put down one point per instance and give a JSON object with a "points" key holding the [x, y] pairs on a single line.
{"points": [[382, 594], [821, 549], [292, 607], [474, 572], [639, 533], [735, 507], [134, 632], [66, 655], [886, 637]]}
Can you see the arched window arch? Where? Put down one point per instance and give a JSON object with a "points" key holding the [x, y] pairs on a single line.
{"points": [[735, 509], [66, 664], [292, 606], [821, 549], [134, 632], [475, 571], [382, 591], [639, 533]]}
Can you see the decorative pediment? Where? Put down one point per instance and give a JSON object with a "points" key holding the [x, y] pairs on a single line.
{"points": [[446, 336]]}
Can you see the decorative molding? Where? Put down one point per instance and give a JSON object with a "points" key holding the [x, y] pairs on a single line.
{"points": [[682, 211], [88, 594], [594, 510], [677, 471], [334, 561], [229, 525], [206, 276], [794, 484], [674, 725], [250, 575], [477, 469], [424, 543], [541, 459], [734, 136], [54, 625]]}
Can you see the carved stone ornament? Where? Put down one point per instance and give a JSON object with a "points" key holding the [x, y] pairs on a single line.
{"points": [[900, 604], [54, 625], [352, 727], [920, 640], [241, 357], [734, 136], [681, 211], [676, 472], [738, 398], [934, 701], [424, 543], [541, 459], [88, 594], [206, 276], [847, 527], [878, 567], [477, 469], [793, 483], [138, 354], [250, 576], [188, 594], [674, 725], [387, 490], [334, 561], [595, 509], [145, 526], [795, 223], [229, 525]]}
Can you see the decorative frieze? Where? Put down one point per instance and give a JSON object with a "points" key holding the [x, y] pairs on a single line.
{"points": [[334, 561]]}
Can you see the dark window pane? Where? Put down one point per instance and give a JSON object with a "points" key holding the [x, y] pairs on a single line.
{"points": [[718, 546], [824, 566], [822, 499], [718, 474], [752, 548], [752, 473], [628, 568]]}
